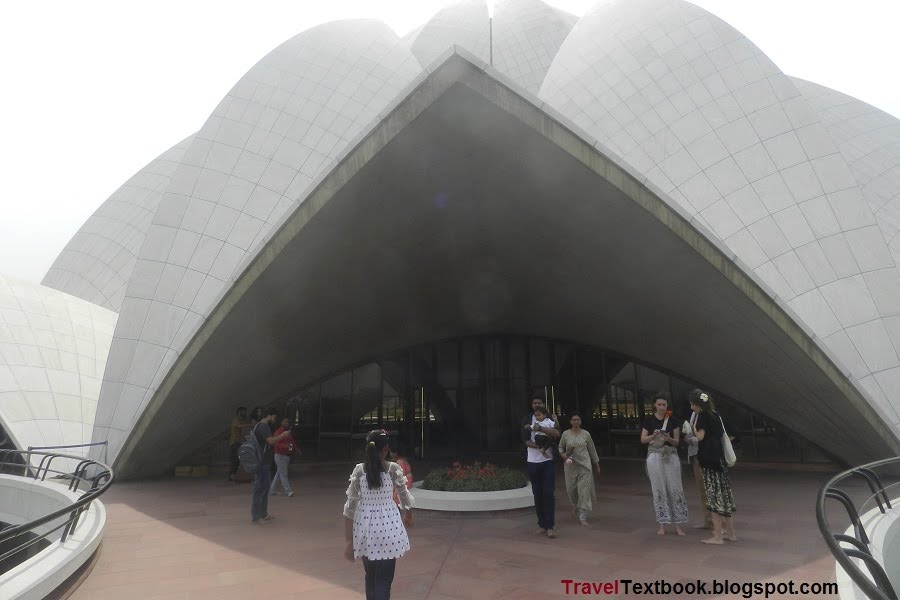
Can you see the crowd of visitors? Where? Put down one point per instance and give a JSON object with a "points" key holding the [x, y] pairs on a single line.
{"points": [[378, 509]]}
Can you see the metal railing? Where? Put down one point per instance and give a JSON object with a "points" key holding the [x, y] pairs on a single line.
{"points": [[96, 476], [876, 585]]}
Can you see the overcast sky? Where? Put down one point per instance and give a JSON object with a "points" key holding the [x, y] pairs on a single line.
{"points": [[94, 90]]}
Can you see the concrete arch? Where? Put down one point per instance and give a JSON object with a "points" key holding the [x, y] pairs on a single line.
{"points": [[698, 109], [510, 200]]}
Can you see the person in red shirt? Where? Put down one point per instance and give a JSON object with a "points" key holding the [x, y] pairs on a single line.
{"points": [[397, 455], [284, 447]]}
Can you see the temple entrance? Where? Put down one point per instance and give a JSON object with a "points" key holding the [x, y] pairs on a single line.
{"points": [[464, 398]]}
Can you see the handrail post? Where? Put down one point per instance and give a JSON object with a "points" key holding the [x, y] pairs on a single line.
{"points": [[875, 585]]}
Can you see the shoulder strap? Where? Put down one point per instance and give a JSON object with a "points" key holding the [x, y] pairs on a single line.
{"points": [[262, 446]]}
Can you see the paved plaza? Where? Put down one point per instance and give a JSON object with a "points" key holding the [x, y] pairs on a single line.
{"points": [[191, 539]]}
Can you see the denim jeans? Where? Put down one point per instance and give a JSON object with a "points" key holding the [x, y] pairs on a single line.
{"points": [[543, 484], [260, 505], [379, 577], [281, 474]]}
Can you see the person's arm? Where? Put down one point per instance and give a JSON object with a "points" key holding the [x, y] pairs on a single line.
{"points": [[646, 436], [399, 480], [700, 434], [592, 450], [348, 538], [274, 439], [350, 511], [549, 431], [525, 430], [563, 445], [672, 439]]}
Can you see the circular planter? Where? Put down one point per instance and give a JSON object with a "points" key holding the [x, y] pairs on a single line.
{"points": [[472, 501]]}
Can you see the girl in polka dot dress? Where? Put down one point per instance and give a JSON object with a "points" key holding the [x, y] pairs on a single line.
{"points": [[374, 528]]}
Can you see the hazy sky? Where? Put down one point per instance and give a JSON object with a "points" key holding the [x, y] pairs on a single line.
{"points": [[94, 90]]}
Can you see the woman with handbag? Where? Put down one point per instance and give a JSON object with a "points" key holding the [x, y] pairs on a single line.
{"points": [[660, 433], [713, 449]]}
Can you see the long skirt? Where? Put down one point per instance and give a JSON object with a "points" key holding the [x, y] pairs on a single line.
{"points": [[719, 498], [580, 488], [664, 471]]}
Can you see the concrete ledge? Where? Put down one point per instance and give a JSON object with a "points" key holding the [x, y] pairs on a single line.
{"points": [[23, 499], [472, 501], [884, 542]]}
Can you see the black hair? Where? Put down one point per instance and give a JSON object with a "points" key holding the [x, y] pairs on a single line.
{"points": [[270, 411], [703, 400], [375, 443], [541, 409], [575, 414], [239, 409]]}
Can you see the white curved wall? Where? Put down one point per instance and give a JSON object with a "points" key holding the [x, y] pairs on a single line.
{"points": [[53, 350], [526, 36], [25, 499], [710, 120], [462, 23], [869, 140], [98, 261], [252, 163]]}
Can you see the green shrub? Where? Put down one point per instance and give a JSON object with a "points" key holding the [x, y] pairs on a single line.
{"points": [[476, 477]]}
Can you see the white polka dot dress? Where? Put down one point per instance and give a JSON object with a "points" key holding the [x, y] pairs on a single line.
{"points": [[378, 531]]}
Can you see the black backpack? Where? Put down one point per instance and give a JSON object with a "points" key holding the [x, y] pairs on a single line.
{"points": [[250, 454]]}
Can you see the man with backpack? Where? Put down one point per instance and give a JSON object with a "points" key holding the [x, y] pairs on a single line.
{"points": [[262, 435]]}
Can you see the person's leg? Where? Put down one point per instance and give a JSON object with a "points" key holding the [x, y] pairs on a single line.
{"points": [[384, 577], [235, 461], [657, 491], [533, 475], [260, 490], [369, 568], [701, 491], [275, 478], [284, 462], [675, 491], [716, 532], [264, 501], [729, 529], [548, 491]]}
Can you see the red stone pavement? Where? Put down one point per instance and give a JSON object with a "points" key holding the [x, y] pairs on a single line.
{"points": [[191, 539]]}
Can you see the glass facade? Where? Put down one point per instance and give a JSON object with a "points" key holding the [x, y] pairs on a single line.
{"points": [[464, 397]]}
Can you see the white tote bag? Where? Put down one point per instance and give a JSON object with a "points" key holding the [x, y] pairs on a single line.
{"points": [[727, 450]]}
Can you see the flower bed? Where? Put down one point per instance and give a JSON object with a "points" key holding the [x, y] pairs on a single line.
{"points": [[476, 477]]}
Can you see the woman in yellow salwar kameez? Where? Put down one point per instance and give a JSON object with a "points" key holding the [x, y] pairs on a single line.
{"points": [[577, 450]]}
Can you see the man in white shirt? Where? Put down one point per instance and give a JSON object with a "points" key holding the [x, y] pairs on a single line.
{"points": [[541, 470]]}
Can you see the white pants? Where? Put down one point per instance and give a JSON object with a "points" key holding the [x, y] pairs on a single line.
{"points": [[281, 462]]}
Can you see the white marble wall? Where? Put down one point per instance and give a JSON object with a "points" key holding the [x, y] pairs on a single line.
{"points": [[98, 261], [687, 100], [526, 37], [253, 161], [798, 181], [463, 23], [53, 349]]}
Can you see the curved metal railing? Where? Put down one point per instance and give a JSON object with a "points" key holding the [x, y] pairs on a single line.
{"points": [[94, 475], [876, 585]]}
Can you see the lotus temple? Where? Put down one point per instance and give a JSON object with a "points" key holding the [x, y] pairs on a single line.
{"points": [[420, 233]]}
